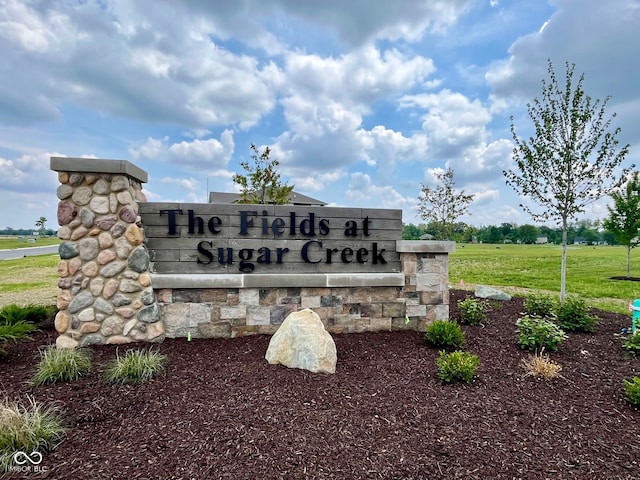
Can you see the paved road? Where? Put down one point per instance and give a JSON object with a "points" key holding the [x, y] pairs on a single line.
{"points": [[27, 252]]}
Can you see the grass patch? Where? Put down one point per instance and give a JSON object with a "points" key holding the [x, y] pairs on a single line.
{"points": [[135, 366], [528, 269], [30, 428], [8, 243], [61, 365], [29, 273]]}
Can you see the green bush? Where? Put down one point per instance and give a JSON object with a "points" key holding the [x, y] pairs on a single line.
{"points": [[135, 366], [444, 334], [540, 305], [28, 429], [61, 365], [632, 389], [572, 315], [472, 312], [12, 314], [631, 343], [536, 333], [457, 366]]}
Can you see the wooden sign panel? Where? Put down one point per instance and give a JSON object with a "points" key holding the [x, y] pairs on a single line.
{"points": [[211, 238]]}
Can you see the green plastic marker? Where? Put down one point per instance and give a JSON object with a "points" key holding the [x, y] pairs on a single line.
{"points": [[189, 336]]}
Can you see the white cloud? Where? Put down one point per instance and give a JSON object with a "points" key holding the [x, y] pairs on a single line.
{"points": [[357, 78], [190, 184], [28, 173], [361, 188], [359, 93], [599, 39], [197, 153]]}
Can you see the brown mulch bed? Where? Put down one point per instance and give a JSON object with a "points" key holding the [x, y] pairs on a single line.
{"points": [[221, 411]]}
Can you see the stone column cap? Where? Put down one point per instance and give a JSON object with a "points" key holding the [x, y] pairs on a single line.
{"points": [[425, 246], [98, 165]]}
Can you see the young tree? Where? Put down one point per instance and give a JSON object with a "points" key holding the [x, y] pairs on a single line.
{"points": [[443, 205], [40, 223], [261, 183], [624, 218], [572, 159]]}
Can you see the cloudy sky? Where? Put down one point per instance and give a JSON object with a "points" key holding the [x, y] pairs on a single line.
{"points": [[360, 100]]}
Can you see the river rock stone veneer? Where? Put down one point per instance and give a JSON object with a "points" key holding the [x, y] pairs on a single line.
{"points": [[105, 293]]}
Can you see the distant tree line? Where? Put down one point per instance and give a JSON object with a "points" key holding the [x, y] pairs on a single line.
{"points": [[28, 231], [584, 231]]}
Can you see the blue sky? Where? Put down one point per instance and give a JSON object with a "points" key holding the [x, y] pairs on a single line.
{"points": [[361, 101]]}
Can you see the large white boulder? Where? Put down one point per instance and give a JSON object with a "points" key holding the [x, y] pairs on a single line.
{"points": [[302, 342], [483, 291]]}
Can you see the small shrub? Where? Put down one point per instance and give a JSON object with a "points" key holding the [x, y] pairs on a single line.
{"points": [[539, 305], [135, 366], [536, 333], [61, 365], [472, 312], [632, 388], [444, 334], [631, 343], [457, 366], [541, 366], [572, 315], [29, 313], [33, 428]]}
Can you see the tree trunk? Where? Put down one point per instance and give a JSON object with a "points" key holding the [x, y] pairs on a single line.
{"points": [[628, 260], [563, 268]]}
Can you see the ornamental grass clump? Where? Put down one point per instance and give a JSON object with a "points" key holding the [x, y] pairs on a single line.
{"points": [[13, 326], [536, 333], [472, 312], [61, 365], [632, 389], [457, 366], [135, 366], [540, 365], [32, 428], [573, 316], [444, 334]]}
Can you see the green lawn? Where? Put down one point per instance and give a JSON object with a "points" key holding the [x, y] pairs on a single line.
{"points": [[525, 268], [518, 269], [28, 273], [7, 243]]}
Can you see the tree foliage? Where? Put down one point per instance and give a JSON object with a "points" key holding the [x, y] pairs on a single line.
{"points": [[572, 159], [41, 222], [443, 205], [624, 217], [261, 183]]}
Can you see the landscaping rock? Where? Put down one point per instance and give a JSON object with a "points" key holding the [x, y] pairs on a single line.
{"points": [[302, 342], [482, 291]]}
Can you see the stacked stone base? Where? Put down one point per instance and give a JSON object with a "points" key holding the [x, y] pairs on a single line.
{"points": [[233, 312]]}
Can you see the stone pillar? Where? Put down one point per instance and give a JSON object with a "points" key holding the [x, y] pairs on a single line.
{"points": [[105, 293], [425, 264]]}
